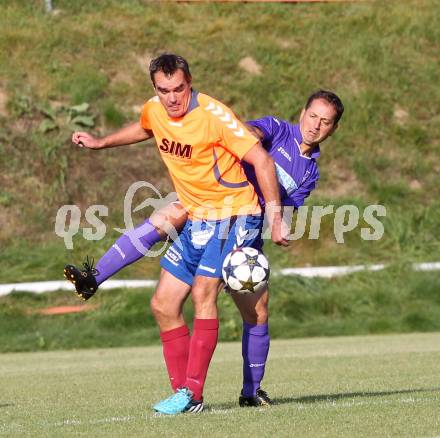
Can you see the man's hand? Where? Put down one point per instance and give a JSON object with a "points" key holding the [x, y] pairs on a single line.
{"points": [[84, 139], [130, 134], [278, 228]]}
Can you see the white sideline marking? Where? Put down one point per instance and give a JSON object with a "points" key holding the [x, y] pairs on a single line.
{"points": [[335, 271], [329, 271], [39, 287], [426, 266]]}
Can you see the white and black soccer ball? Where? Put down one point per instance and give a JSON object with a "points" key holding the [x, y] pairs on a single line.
{"points": [[245, 270]]}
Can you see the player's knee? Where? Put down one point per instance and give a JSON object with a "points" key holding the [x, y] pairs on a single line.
{"points": [[262, 318], [160, 223], [168, 219], [158, 308], [255, 315], [255, 318]]}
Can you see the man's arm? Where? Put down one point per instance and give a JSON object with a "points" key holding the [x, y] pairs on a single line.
{"points": [[267, 181], [257, 132], [130, 134]]}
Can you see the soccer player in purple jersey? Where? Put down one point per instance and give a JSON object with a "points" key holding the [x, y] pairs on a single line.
{"points": [[294, 148]]}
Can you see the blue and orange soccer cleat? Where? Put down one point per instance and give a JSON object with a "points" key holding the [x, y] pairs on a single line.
{"points": [[179, 403]]}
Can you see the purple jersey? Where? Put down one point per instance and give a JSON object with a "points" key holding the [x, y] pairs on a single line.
{"points": [[296, 173]]}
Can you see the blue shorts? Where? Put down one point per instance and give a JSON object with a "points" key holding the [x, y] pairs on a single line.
{"points": [[203, 245]]}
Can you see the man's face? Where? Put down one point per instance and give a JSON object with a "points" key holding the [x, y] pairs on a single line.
{"points": [[174, 92], [317, 122]]}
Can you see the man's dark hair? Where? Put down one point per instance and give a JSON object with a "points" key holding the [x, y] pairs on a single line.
{"points": [[168, 64], [329, 97]]}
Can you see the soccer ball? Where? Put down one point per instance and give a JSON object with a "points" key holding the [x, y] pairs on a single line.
{"points": [[245, 270]]}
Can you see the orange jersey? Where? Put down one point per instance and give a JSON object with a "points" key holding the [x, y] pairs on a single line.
{"points": [[202, 151]]}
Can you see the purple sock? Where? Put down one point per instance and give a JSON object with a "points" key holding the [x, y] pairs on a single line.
{"points": [[131, 246], [255, 348]]}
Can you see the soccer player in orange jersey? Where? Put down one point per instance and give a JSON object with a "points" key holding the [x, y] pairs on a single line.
{"points": [[202, 143]]}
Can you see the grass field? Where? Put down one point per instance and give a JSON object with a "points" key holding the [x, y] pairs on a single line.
{"points": [[347, 386]]}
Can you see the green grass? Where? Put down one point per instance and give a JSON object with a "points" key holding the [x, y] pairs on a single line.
{"points": [[392, 301], [339, 387]]}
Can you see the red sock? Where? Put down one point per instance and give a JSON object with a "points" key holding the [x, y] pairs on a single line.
{"points": [[202, 346], [175, 344]]}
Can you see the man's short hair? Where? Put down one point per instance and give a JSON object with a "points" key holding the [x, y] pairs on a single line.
{"points": [[168, 64], [329, 97]]}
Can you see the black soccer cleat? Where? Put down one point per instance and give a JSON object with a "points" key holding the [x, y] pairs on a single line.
{"points": [[84, 281], [261, 399]]}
